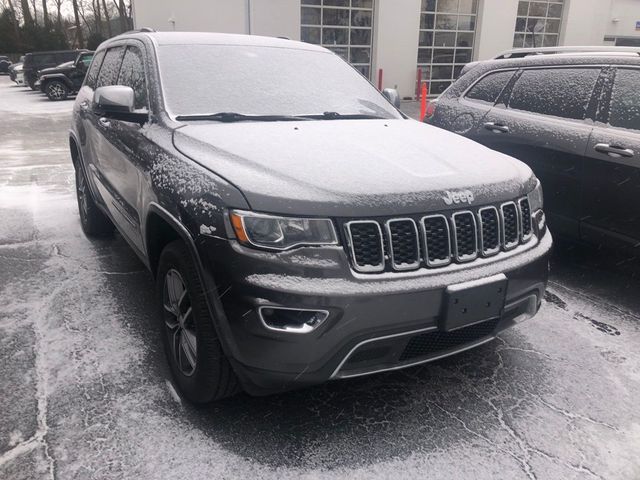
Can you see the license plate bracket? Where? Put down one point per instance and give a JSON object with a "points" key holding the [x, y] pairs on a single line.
{"points": [[473, 302]]}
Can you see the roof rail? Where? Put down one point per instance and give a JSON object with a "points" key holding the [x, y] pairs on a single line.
{"points": [[525, 52], [139, 30]]}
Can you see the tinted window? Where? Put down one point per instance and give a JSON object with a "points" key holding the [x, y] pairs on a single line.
{"points": [[625, 100], [44, 59], [66, 57], [561, 92], [92, 75], [110, 67], [132, 75], [85, 60], [488, 88]]}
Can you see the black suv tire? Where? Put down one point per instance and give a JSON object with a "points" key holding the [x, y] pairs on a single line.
{"points": [[203, 373], [56, 90], [94, 222]]}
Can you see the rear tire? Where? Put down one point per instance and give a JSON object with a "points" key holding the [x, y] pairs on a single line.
{"points": [[94, 222], [198, 364], [56, 90]]}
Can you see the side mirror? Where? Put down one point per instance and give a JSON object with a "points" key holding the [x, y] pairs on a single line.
{"points": [[392, 95], [117, 102]]}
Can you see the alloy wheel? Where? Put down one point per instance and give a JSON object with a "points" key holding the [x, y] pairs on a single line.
{"points": [[82, 195], [56, 91], [179, 322]]}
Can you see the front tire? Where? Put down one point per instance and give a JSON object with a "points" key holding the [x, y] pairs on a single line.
{"points": [[56, 90], [198, 364], [94, 222]]}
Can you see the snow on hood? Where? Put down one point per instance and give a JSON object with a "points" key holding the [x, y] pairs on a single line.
{"points": [[351, 167]]}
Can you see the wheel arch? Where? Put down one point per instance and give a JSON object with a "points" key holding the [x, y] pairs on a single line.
{"points": [[160, 221]]}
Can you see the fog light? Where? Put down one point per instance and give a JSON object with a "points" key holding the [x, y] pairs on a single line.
{"points": [[292, 320]]}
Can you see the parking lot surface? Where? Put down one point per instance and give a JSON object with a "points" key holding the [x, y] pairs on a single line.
{"points": [[85, 392]]}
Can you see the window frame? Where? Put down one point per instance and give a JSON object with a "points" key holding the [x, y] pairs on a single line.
{"points": [[591, 106]]}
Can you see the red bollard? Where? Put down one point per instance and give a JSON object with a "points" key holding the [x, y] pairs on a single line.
{"points": [[423, 101], [380, 79]]}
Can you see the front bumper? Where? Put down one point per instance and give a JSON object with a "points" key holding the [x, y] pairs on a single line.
{"points": [[372, 317]]}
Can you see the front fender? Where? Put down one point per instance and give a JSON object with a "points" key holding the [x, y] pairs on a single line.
{"points": [[56, 76]]}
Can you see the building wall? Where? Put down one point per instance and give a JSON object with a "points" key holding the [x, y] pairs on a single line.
{"points": [[627, 13], [395, 48], [496, 23], [275, 18], [226, 16], [585, 21]]}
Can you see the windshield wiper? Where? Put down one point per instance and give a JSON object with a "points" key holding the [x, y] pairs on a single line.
{"points": [[229, 117], [341, 116]]}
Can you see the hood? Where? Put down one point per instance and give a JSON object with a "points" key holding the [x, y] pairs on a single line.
{"points": [[63, 68], [350, 168]]}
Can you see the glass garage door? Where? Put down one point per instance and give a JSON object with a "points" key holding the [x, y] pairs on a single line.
{"points": [[447, 34], [538, 24], [343, 26]]}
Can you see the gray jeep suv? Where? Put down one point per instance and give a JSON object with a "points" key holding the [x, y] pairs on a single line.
{"points": [[298, 226]]}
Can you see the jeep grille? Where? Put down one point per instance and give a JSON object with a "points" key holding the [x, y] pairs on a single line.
{"points": [[432, 241]]}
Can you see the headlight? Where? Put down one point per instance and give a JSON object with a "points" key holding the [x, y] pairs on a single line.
{"points": [[281, 233], [536, 201]]}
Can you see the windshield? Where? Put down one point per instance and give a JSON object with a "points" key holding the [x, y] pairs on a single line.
{"points": [[252, 80]]}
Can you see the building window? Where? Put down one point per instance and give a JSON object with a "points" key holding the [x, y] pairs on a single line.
{"points": [[343, 26], [538, 24], [447, 33]]}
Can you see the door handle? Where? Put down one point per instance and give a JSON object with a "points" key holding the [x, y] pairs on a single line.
{"points": [[104, 122], [496, 127], [614, 150]]}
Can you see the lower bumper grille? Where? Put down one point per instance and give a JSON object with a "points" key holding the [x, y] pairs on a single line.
{"points": [[434, 342]]}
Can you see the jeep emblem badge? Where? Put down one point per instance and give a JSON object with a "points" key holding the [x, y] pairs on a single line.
{"points": [[460, 196]]}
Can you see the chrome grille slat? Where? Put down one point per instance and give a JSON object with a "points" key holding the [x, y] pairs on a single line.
{"points": [[490, 240], [525, 216], [437, 240], [404, 243], [465, 236], [397, 244], [366, 244], [510, 225]]}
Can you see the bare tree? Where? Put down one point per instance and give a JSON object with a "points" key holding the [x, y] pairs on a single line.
{"points": [[59, 12], [106, 17], [35, 12], [45, 15], [76, 14], [26, 13]]}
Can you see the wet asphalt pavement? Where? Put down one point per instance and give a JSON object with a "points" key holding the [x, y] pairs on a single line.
{"points": [[85, 392]]}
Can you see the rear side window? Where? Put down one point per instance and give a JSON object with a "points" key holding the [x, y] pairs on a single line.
{"points": [[625, 100], [66, 57], [92, 74], [132, 75], [44, 59], [561, 92], [489, 87], [110, 67]]}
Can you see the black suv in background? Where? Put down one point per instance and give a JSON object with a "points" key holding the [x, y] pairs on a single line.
{"points": [[66, 79], [36, 61], [5, 63], [573, 115], [298, 226]]}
